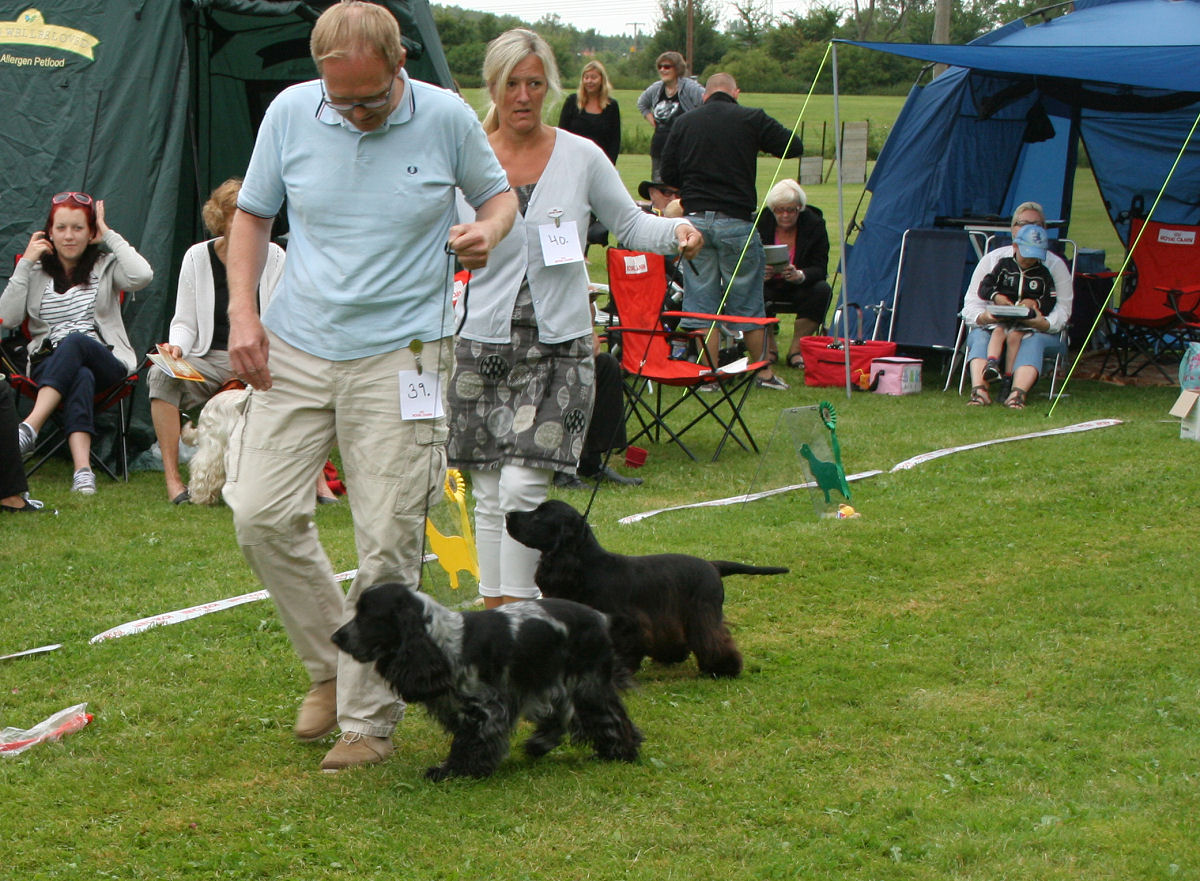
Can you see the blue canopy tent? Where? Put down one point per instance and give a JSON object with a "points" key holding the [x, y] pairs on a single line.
{"points": [[1003, 124]]}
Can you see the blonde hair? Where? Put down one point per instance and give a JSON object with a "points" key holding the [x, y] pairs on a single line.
{"points": [[506, 52], [354, 27], [605, 84], [1029, 206], [786, 192], [220, 205]]}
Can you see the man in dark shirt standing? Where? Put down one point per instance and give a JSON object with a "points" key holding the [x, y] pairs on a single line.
{"points": [[712, 157]]}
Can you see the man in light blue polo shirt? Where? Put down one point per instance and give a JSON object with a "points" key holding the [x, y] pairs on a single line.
{"points": [[355, 346]]}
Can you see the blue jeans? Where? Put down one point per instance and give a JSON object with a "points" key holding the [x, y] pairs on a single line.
{"points": [[78, 368], [707, 275]]}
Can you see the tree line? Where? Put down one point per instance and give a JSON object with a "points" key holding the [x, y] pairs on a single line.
{"points": [[765, 53]]}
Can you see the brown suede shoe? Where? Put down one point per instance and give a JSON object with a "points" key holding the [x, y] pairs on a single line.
{"points": [[318, 712], [353, 749]]}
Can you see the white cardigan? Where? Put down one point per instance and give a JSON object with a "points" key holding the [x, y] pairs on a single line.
{"points": [[192, 326], [578, 181]]}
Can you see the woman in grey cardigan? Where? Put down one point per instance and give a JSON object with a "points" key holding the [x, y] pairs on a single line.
{"points": [[662, 102], [521, 397], [70, 291]]}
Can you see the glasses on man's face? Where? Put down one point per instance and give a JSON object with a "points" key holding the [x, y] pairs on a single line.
{"points": [[666, 67], [369, 104], [81, 198]]}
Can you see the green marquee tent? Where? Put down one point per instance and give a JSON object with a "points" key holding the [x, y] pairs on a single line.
{"points": [[149, 104]]}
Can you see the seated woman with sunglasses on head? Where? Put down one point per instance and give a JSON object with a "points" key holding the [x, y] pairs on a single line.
{"points": [[69, 289]]}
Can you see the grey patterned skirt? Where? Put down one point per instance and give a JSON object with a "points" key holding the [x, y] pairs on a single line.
{"points": [[522, 403]]}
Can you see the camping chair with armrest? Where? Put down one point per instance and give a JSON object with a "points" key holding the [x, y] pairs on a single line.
{"points": [[637, 284], [1154, 324], [52, 437]]}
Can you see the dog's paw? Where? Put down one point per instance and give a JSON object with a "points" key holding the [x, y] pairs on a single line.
{"points": [[438, 773]]}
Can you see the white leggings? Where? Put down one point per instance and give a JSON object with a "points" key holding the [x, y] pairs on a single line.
{"points": [[506, 566]]}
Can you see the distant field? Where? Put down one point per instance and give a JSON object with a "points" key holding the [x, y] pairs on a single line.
{"points": [[1090, 226], [880, 111]]}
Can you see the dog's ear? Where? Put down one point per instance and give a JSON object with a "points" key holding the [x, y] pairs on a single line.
{"points": [[567, 527], [418, 669], [573, 531]]}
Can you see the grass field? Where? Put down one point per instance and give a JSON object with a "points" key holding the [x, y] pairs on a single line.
{"points": [[985, 676]]}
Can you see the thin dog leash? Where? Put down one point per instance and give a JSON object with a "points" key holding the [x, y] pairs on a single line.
{"points": [[419, 346]]}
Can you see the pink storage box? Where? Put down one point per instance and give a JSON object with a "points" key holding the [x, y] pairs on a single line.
{"points": [[896, 376]]}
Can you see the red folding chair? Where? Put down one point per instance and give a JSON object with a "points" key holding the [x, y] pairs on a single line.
{"points": [[1154, 324], [637, 284]]}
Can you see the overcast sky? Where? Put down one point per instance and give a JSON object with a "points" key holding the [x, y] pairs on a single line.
{"points": [[606, 16]]}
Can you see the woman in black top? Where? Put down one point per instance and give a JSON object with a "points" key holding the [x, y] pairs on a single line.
{"points": [[799, 285], [592, 112]]}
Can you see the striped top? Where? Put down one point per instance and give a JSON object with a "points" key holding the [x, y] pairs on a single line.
{"points": [[73, 311]]}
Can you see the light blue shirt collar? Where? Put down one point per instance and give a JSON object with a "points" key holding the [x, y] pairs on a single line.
{"points": [[403, 113]]}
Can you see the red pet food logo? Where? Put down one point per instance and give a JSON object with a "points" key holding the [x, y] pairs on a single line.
{"points": [[636, 264], [1177, 236]]}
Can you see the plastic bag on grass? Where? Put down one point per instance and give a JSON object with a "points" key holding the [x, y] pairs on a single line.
{"points": [[16, 740]]}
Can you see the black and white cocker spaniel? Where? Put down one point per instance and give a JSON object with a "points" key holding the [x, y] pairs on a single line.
{"points": [[479, 673]]}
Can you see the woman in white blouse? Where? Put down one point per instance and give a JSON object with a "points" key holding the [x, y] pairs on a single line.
{"points": [[200, 330]]}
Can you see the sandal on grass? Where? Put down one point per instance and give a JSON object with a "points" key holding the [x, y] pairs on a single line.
{"points": [[1016, 401], [979, 397], [796, 361]]}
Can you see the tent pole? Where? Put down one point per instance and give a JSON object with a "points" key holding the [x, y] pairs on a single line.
{"points": [[837, 149]]}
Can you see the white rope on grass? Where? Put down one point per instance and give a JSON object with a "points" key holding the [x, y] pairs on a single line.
{"points": [[902, 466], [733, 500], [143, 624], [1070, 429]]}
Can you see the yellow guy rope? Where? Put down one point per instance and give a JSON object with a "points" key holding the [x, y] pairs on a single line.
{"points": [[774, 178]]}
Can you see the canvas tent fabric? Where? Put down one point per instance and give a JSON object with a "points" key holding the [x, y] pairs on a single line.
{"points": [[148, 105], [1002, 126]]}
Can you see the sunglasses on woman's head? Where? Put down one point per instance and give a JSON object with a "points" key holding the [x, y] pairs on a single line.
{"points": [[81, 198]]}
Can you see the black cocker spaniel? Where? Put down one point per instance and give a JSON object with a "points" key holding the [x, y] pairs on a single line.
{"points": [[662, 605]]}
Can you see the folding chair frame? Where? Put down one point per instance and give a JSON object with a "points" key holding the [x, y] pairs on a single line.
{"points": [[118, 396], [730, 389], [647, 366]]}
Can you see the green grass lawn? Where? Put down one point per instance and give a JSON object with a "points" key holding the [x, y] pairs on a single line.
{"points": [[985, 676]]}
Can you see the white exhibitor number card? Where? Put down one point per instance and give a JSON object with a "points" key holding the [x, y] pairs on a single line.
{"points": [[420, 397], [560, 243]]}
